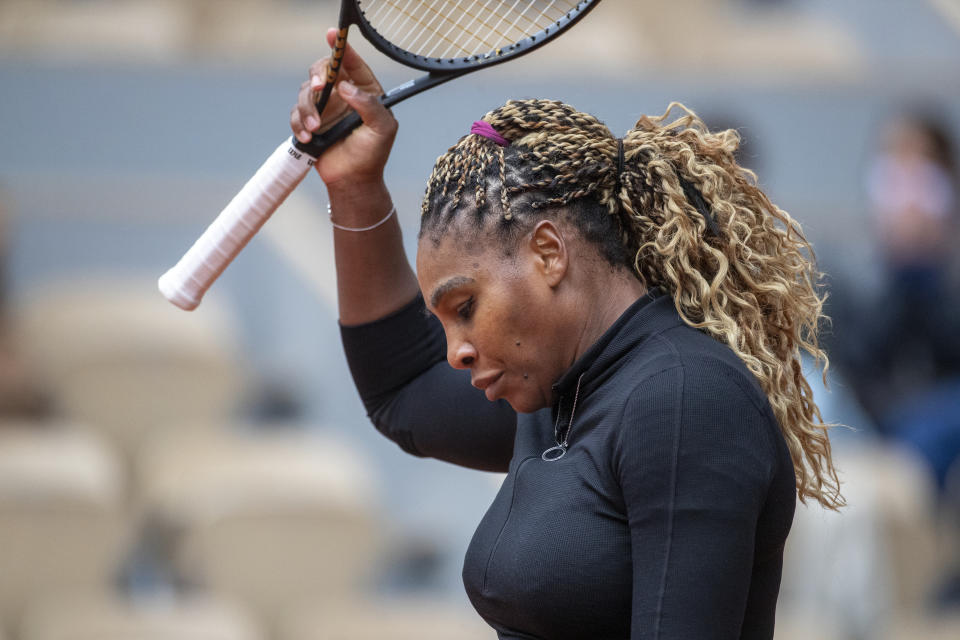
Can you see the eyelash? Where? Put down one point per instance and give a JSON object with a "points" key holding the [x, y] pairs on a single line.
{"points": [[466, 309]]}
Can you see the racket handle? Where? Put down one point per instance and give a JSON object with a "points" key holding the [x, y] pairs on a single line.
{"points": [[185, 283], [322, 141]]}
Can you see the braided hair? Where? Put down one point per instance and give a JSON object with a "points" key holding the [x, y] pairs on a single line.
{"points": [[670, 203]]}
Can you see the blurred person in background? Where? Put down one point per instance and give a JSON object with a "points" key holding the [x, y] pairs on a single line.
{"points": [[21, 394], [903, 340], [907, 371], [634, 311], [900, 350], [911, 185]]}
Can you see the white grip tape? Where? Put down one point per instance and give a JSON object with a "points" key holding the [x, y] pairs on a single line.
{"points": [[185, 284]]}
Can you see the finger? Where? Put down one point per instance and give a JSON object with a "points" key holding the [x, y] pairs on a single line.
{"points": [[307, 108], [296, 125], [359, 71], [368, 105], [318, 70], [317, 79], [352, 64], [321, 68]]}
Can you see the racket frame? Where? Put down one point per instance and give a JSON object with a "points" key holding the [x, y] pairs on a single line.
{"points": [[464, 64], [439, 70]]}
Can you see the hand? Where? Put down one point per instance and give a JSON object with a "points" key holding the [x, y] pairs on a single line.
{"points": [[359, 158]]}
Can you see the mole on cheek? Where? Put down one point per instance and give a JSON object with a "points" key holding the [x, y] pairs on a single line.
{"points": [[525, 376]]}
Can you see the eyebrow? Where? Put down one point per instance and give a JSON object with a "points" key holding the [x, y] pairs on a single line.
{"points": [[445, 287]]}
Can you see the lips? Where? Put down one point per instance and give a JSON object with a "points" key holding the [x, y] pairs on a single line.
{"points": [[485, 383]]}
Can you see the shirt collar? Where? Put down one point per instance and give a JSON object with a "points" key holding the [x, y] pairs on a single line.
{"points": [[651, 313]]}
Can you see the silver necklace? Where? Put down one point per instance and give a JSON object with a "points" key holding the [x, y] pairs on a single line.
{"points": [[559, 450]]}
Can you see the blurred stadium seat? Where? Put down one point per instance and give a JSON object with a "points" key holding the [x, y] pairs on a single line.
{"points": [[806, 625], [926, 627], [908, 520], [115, 355], [104, 617], [401, 619], [61, 520], [270, 517], [873, 563]]}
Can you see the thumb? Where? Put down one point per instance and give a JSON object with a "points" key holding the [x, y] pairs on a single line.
{"points": [[371, 110]]}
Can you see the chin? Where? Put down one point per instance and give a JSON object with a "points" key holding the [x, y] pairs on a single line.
{"points": [[525, 405]]}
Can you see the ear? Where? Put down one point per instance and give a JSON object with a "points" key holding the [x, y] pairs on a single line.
{"points": [[550, 252]]}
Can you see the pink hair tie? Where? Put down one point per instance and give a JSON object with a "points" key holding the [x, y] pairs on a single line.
{"points": [[486, 130]]}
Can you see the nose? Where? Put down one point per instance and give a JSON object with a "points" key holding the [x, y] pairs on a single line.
{"points": [[461, 354]]}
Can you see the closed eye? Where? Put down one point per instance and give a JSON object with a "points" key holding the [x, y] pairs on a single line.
{"points": [[465, 310]]}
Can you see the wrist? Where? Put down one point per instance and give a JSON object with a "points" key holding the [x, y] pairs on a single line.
{"points": [[370, 227], [359, 205], [353, 181], [357, 187]]}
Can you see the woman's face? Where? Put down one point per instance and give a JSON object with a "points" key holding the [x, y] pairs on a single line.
{"points": [[500, 317]]}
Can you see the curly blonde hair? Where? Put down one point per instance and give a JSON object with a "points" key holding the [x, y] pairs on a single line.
{"points": [[670, 202]]}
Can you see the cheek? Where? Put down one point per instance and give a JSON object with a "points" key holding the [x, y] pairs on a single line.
{"points": [[518, 309], [530, 342], [519, 317]]}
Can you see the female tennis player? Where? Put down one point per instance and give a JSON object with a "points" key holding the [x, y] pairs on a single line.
{"points": [[622, 321]]}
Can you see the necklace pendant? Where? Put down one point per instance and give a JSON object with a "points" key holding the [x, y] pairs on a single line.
{"points": [[554, 453]]}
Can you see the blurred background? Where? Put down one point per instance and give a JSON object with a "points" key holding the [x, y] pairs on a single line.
{"points": [[212, 474]]}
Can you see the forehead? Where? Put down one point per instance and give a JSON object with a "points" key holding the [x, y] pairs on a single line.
{"points": [[447, 256], [455, 261]]}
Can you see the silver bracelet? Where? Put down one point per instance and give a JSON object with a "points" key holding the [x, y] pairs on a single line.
{"points": [[393, 210]]}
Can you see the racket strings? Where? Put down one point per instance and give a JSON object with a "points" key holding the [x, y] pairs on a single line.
{"points": [[461, 28], [420, 25]]}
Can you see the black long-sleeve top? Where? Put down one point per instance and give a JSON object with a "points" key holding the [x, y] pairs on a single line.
{"points": [[667, 517]]}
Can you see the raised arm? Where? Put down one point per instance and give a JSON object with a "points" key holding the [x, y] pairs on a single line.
{"points": [[396, 352], [374, 277]]}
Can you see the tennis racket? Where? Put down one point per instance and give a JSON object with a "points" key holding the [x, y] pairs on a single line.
{"points": [[444, 38]]}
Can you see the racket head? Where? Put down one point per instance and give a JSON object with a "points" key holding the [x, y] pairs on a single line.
{"points": [[459, 35]]}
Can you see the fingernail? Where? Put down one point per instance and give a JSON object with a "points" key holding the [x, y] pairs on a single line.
{"points": [[346, 88], [312, 123], [304, 136], [315, 82]]}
